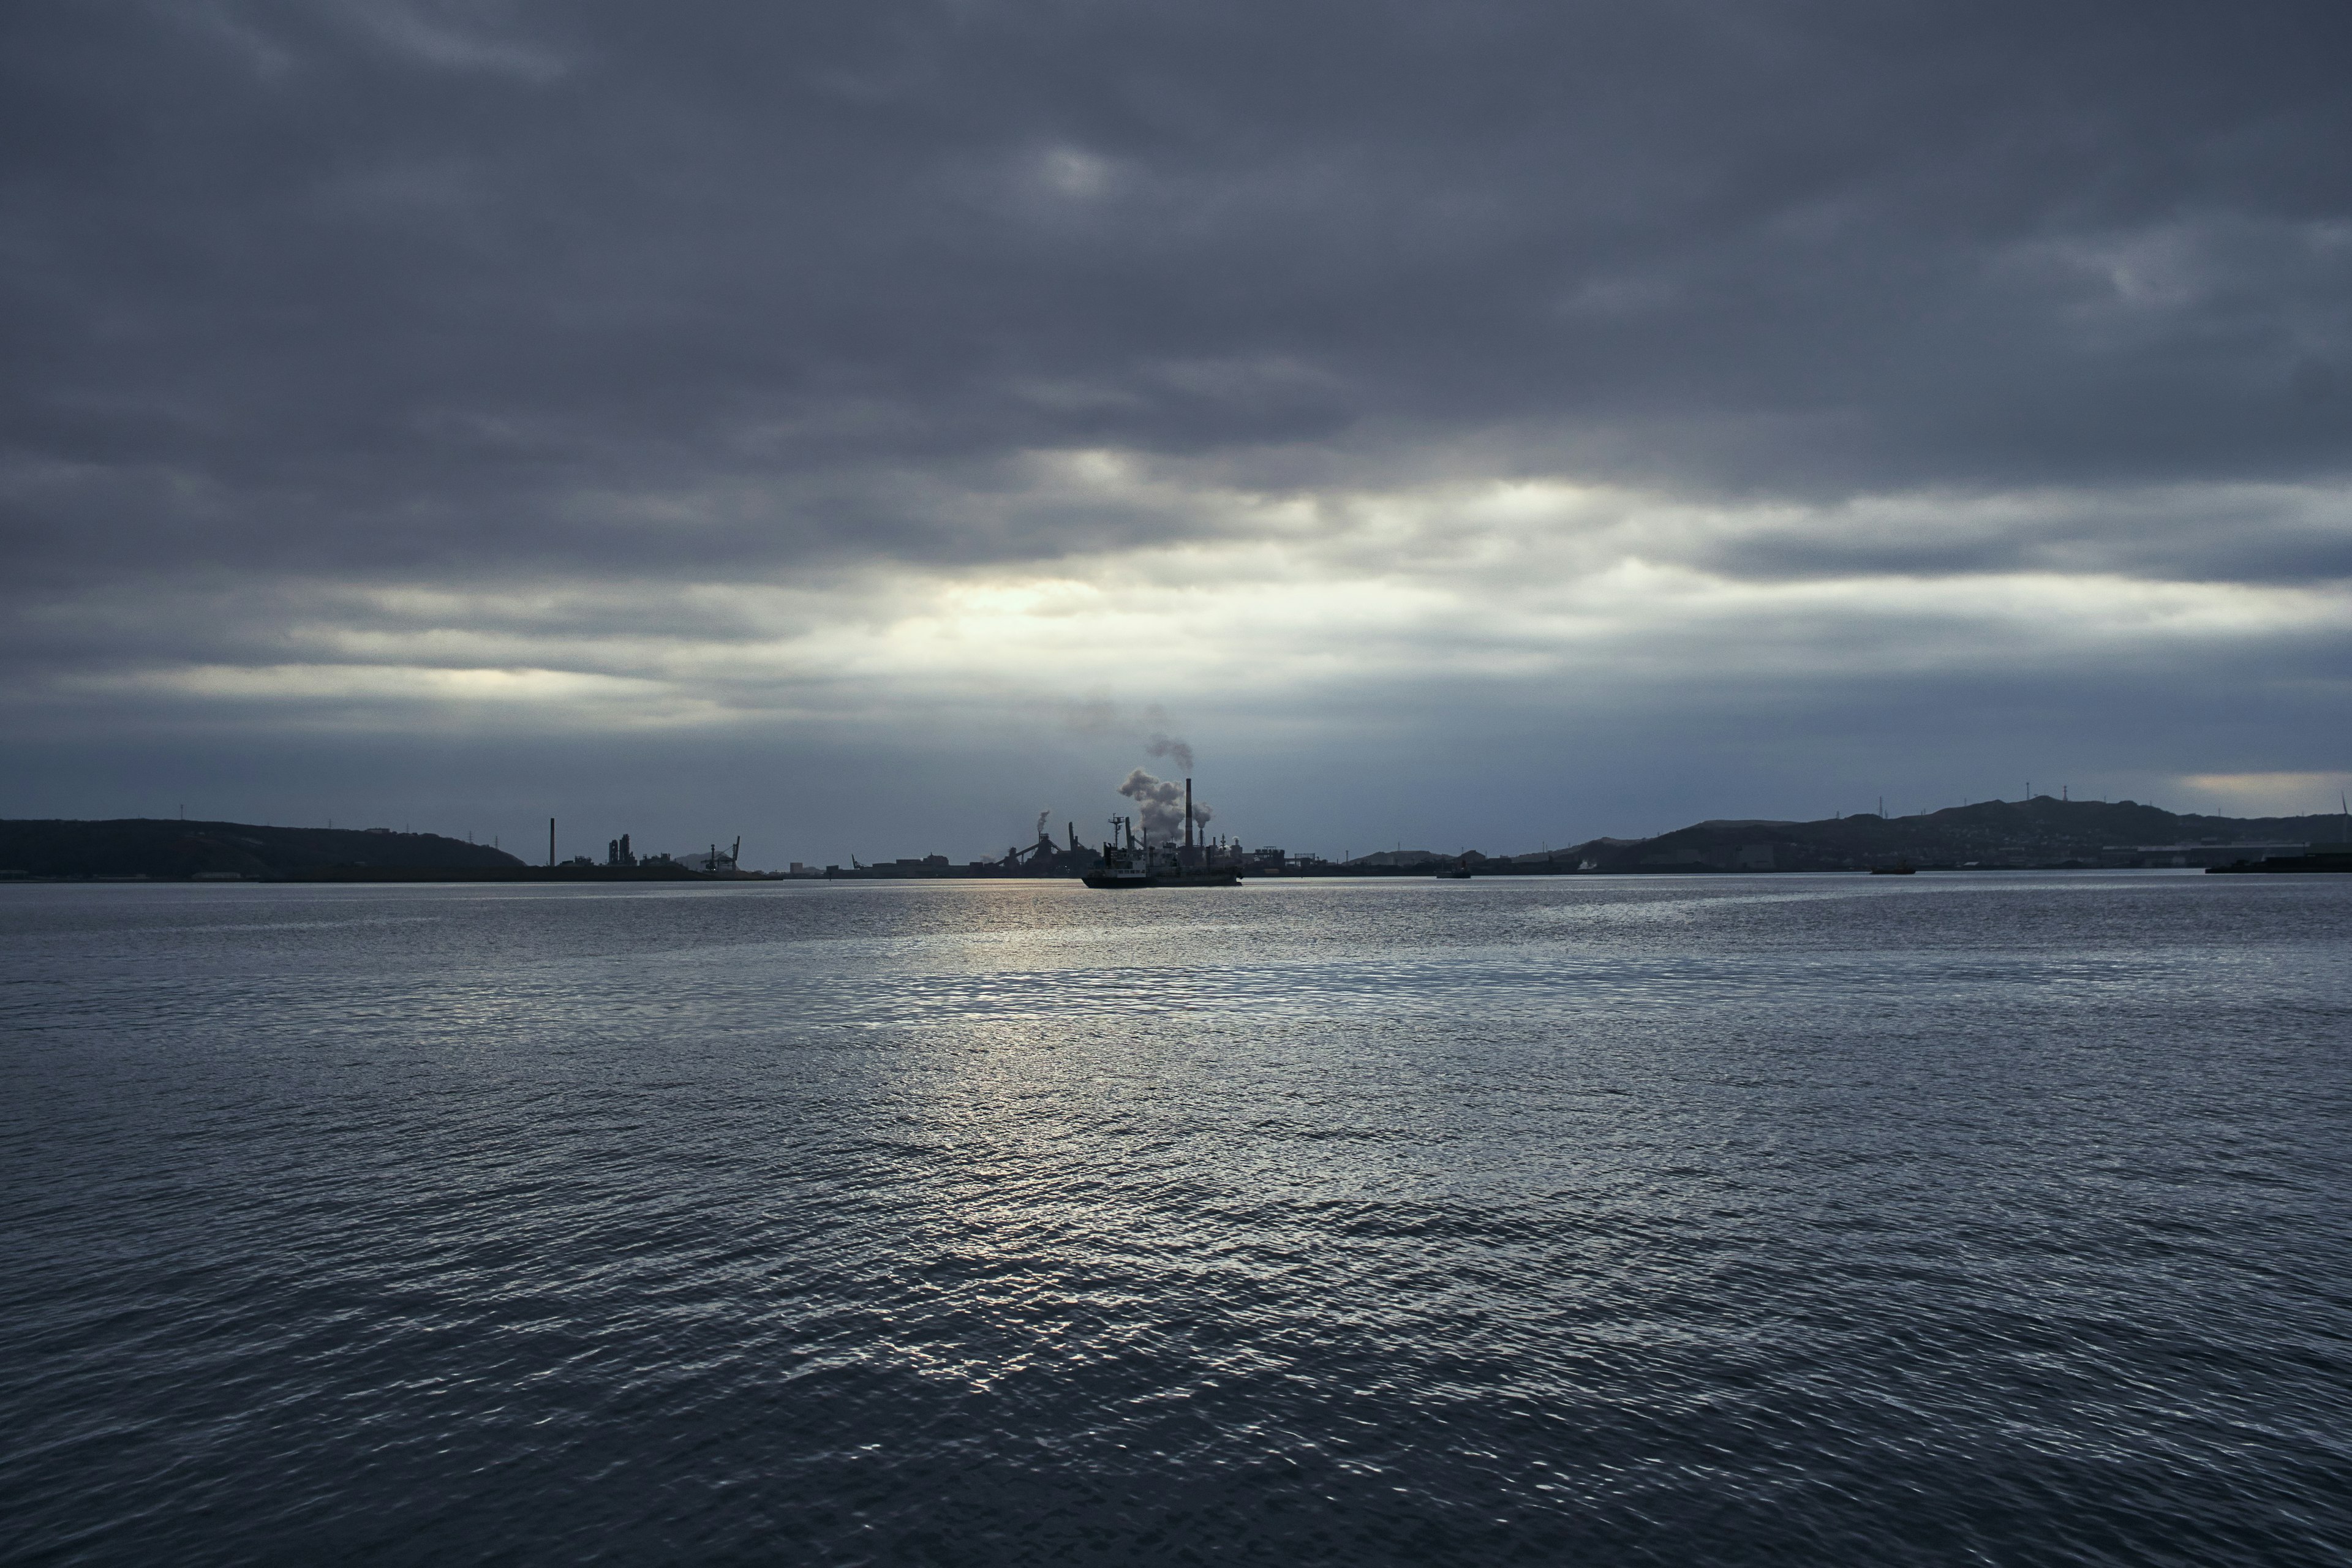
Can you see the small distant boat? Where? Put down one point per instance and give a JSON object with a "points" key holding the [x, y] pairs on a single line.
{"points": [[1458, 872], [1901, 868]]}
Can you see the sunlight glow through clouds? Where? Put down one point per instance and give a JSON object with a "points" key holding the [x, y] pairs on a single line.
{"points": [[2268, 795], [396, 691], [1283, 599], [1299, 597]]}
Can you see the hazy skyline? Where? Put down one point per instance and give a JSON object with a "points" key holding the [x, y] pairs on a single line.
{"points": [[862, 428]]}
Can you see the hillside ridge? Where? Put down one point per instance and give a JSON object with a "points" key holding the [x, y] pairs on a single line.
{"points": [[2041, 832], [164, 849]]}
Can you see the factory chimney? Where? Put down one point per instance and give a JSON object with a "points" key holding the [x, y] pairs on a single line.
{"points": [[1188, 813], [551, 841]]}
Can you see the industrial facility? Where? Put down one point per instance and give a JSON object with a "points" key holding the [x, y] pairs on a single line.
{"points": [[1187, 855]]}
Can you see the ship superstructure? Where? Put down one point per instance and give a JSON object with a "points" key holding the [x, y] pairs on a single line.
{"points": [[1124, 864]]}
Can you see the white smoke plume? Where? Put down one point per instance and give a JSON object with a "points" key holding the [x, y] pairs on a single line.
{"points": [[1041, 821], [1160, 807], [1176, 748]]}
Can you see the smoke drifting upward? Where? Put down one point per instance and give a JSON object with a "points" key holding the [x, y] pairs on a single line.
{"points": [[1177, 750], [1041, 821], [1159, 804]]}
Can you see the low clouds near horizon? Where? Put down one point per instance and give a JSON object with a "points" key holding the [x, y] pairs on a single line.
{"points": [[1470, 422]]}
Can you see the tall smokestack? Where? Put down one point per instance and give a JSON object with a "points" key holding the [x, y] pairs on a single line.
{"points": [[1188, 813], [551, 841]]}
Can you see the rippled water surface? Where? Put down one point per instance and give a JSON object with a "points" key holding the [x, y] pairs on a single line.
{"points": [[1736, 1220]]}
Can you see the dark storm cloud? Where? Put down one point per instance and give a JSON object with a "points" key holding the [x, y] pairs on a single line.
{"points": [[423, 291], [2275, 535]]}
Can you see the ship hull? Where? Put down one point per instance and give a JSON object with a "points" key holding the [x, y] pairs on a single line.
{"points": [[1166, 880]]}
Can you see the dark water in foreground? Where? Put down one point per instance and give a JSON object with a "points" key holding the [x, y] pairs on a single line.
{"points": [[1740, 1220]]}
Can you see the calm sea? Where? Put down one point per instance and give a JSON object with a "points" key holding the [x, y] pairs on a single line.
{"points": [[1951, 1219]]}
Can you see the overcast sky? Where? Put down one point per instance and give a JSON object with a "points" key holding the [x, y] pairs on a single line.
{"points": [[861, 426]]}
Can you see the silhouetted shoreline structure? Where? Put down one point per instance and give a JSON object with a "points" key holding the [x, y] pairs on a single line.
{"points": [[2044, 833], [170, 849]]}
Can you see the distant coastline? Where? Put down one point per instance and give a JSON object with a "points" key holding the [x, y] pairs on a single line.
{"points": [[164, 850], [2041, 834]]}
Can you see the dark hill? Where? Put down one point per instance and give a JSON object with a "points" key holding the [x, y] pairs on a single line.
{"points": [[2043, 831], [145, 847]]}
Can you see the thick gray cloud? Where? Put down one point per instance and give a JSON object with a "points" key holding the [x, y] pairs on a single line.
{"points": [[308, 305], [424, 284]]}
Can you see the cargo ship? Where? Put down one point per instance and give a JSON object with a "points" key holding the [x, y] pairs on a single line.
{"points": [[1127, 864]]}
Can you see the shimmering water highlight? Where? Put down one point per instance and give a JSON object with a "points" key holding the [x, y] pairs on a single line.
{"points": [[1733, 1220]]}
